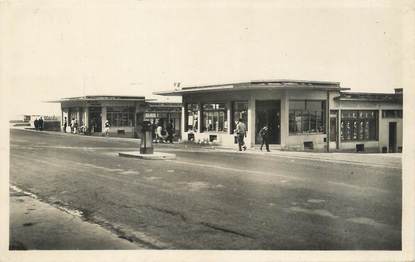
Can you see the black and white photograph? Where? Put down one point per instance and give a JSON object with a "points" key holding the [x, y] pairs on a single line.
{"points": [[141, 130]]}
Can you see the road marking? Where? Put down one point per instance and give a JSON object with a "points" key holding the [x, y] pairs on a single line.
{"points": [[365, 221], [235, 170], [310, 158], [319, 212], [360, 188], [316, 201]]}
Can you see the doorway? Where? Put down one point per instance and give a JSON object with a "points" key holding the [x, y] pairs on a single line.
{"points": [[95, 122], [268, 112], [392, 137]]}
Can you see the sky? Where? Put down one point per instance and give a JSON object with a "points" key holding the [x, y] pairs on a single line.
{"points": [[55, 49]]}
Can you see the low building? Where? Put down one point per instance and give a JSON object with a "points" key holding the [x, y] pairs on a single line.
{"points": [[124, 113], [301, 115]]}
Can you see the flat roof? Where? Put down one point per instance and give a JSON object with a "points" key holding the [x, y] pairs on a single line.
{"points": [[99, 98], [374, 97], [256, 84]]}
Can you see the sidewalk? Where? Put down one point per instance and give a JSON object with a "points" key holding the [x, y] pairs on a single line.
{"points": [[35, 225], [388, 160]]}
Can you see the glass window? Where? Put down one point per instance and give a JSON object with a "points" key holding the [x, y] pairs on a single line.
{"points": [[306, 116], [215, 118], [191, 115], [240, 111], [358, 125], [120, 116], [392, 113]]}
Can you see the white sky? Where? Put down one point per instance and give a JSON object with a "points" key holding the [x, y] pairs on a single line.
{"points": [[54, 49]]}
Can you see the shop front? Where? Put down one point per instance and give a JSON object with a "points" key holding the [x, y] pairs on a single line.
{"points": [[301, 115]]}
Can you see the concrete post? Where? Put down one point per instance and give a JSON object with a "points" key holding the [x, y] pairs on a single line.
{"points": [[183, 121], [328, 121], [251, 122], [229, 116], [86, 116], [199, 118], [284, 121], [103, 118], [338, 138]]}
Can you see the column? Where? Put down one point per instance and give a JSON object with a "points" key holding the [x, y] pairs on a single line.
{"points": [[103, 118], [183, 123], [78, 109], [284, 121], [199, 118], [251, 121], [86, 116], [65, 113], [229, 116], [339, 121]]}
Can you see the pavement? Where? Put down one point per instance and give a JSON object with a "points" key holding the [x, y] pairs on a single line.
{"points": [[392, 160], [38, 226], [208, 197]]}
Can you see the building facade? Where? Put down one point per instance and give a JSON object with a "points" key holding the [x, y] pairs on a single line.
{"points": [[315, 115], [124, 113]]}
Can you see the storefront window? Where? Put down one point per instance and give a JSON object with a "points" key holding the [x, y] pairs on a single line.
{"points": [[392, 113], [192, 110], [215, 118], [240, 111], [307, 116], [358, 125], [120, 116]]}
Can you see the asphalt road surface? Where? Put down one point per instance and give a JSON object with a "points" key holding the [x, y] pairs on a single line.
{"points": [[208, 199]]}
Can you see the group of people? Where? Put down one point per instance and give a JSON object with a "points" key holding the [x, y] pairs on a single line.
{"points": [[39, 123], [74, 126], [161, 135], [240, 134]]}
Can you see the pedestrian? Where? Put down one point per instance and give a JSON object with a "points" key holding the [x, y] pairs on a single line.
{"points": [[75, 127], [160, 133], [72, 124], [40, 124], [107, 127], [65, 124], [241, 133], [170, 132], [265, 133], [36, 124]]}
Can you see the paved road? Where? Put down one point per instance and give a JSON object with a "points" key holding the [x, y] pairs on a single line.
{"points": [[207, 199]]}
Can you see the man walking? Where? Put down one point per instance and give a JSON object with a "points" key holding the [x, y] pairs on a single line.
{"points": [[241, 133], [107, 128], [65, 124], [170, 132], [264, 133]]}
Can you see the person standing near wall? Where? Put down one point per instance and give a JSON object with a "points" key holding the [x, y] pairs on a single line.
{"points": [[264, 133], [241, 133], [36, 123], [65, 124], [107, 128], [170, 131], [40, 123]]}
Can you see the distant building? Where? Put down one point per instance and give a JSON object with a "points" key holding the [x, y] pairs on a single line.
{"points": [[315, 115], [124, 113]]}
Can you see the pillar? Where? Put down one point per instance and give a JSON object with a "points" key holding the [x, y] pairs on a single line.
{"points": [[103, 118], [229, 116], [328, 121], [251, 121], [86, 116], [183, 121], [339, 121], [284, 121], [199, 118]]}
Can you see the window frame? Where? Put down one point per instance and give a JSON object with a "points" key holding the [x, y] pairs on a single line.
{"points": [[306, 117]]}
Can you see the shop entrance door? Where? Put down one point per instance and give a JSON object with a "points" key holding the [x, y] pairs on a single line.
{"points": [[392, 137], [268, 112], [95, 120]]}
